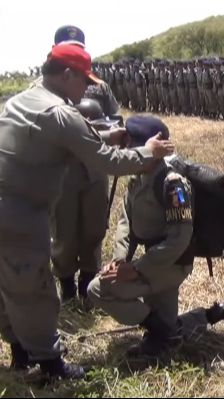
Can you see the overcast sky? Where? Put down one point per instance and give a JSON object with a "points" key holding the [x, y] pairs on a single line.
{"points": [[27, 27]]}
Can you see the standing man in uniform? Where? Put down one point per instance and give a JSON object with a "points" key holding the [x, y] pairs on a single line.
{"points": [[158, 65], [199, 73], [119, 81], [152, 92], [141, 87], [77, 230], [40, 132], [181, 87], [165, 86], [109, 75], [219, 87], [127, 79], [173, 90], [187, 89], [193, 89], [208, 86], [133, 88]]}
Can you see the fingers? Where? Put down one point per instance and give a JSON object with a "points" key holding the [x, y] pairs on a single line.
{"points": [[109, 276], [166, 143], [169, 146], [158, 136], [108, 268], [161, 148]]}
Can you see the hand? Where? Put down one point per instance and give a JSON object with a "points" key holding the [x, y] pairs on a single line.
{"points": [[119, 136], [160, 148], [110, 267], [123, 272]]}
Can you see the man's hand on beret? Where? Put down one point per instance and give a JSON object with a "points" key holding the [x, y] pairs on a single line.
{"points": [[119, 136], [160, 148]]}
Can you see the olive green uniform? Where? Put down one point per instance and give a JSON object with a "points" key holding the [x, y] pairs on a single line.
{"points": [[79, 222], [39, 134], [166, 231]]}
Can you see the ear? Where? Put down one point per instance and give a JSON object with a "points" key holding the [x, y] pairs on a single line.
{"points": [[66, 74]]}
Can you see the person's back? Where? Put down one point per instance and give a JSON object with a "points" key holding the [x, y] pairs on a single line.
{"points": [[31, 167], [30, 162], [103, 94]]}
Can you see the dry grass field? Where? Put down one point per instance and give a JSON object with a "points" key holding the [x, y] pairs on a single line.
{"points": [[195, 370]]}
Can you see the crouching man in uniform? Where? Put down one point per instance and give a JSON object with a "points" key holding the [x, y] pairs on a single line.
{"points": [[157, 213]]}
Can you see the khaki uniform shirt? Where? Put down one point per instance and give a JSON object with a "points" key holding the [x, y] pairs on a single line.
{"points": [[143, 214]]}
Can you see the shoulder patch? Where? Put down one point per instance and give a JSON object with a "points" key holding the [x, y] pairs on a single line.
{"points": [[173, 176], [177, 199]]}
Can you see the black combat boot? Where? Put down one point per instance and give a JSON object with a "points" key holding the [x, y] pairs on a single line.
{"points": [[215, 313], [158, 337], [58, 368], [20, 359], [149, 346], [68, 288], [84, 279]]}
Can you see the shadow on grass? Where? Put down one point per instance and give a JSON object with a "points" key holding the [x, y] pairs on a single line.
{"points": [[204, 353], [199, 355], [73, 318]]}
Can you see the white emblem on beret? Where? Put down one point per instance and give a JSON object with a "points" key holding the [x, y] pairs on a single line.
{"points": [[72, 33]]}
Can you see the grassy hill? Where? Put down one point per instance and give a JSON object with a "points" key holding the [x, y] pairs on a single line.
{"points": [[194, 39]]}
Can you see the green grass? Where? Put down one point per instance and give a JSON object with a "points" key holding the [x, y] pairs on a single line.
{"points": [[194, 370], [13, 86]]}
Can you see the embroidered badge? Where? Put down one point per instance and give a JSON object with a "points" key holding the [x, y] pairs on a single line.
{"points": [[178, 200]]}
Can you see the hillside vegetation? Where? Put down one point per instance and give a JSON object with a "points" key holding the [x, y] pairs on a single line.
{"points": [[13, 85], [195, 39]]}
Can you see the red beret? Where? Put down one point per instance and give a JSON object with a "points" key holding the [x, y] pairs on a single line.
{"points": [[74, 57]]}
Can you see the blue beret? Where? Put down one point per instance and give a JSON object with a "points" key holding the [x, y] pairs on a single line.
{"points": [[70, 34], [142, 128]]}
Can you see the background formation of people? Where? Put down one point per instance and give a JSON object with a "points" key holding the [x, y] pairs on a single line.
{"points": [[190, 87], [193, 87]]}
